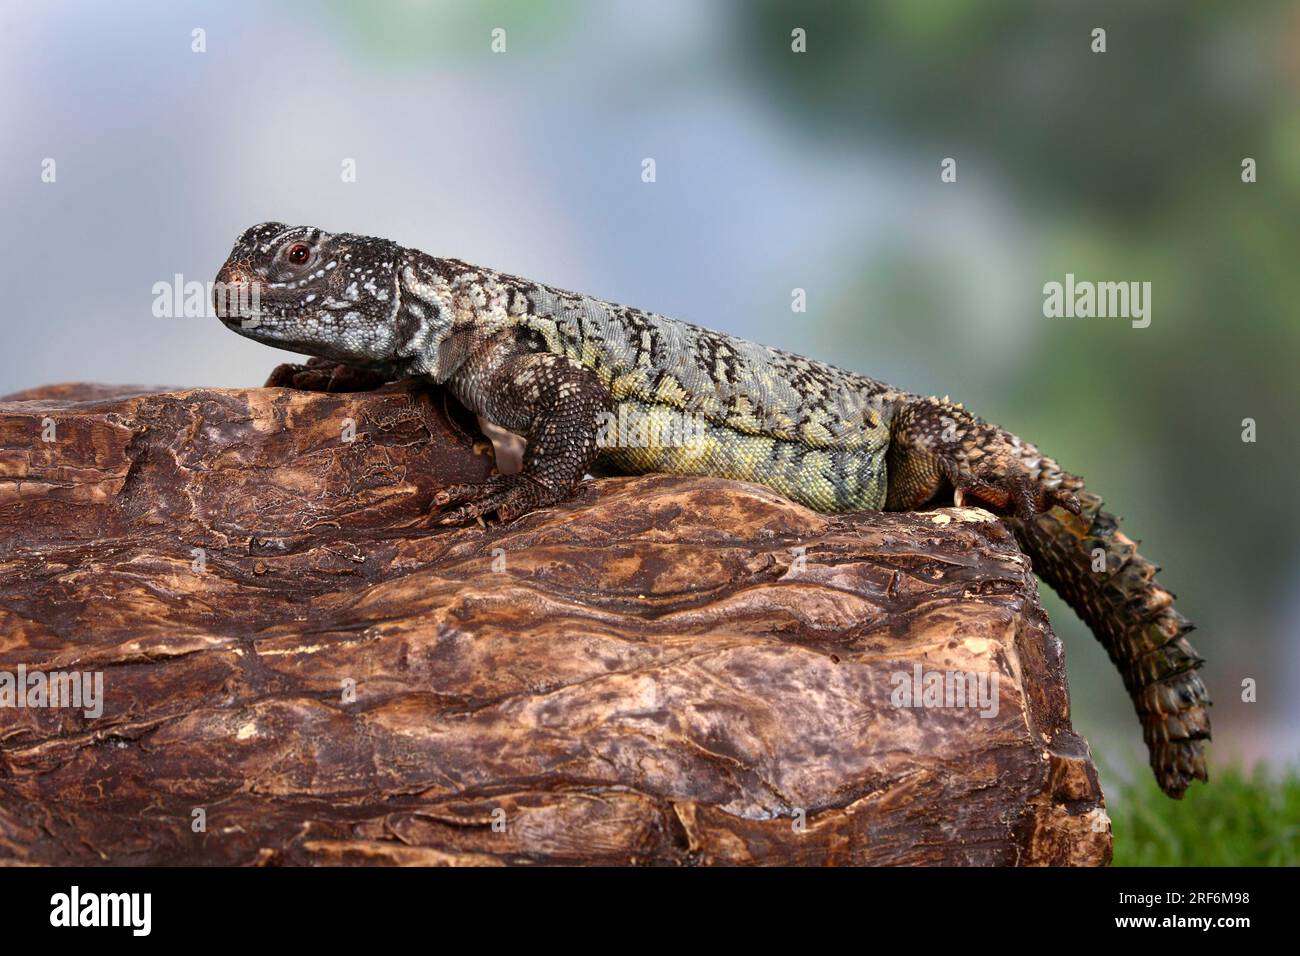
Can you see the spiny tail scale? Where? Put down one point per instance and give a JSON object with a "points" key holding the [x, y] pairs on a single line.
{"points": [[1132, 616]]}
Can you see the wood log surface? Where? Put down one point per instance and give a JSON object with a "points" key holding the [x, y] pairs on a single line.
{"points": [[299, 666]]}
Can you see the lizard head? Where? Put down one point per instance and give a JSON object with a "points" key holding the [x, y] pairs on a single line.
{"points": [[309, 291]]}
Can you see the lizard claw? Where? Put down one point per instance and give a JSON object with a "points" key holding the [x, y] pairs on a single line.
{"points": [[507, 495], [1064, 499], [1020, 494]]}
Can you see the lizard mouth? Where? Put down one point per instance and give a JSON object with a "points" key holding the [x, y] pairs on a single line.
{"points": [[243, 305], [248, 319], [271, 319]]}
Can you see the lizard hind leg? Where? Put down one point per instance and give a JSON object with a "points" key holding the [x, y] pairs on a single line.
{"points": [[936, 445]]}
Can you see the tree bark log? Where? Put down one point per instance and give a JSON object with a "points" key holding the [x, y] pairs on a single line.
{"points": [[300, 667]]}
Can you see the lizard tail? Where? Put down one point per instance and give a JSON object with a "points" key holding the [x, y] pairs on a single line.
{"points": [[1097, 570]]}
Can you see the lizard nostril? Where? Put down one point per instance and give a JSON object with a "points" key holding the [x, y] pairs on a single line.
{"points": [[234, 274]]}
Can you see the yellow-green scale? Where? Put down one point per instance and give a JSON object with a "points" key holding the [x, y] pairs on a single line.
{"points": [[644, 438]]}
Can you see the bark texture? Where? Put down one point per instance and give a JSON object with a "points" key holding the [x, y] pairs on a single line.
{"points": [[661, 671]]}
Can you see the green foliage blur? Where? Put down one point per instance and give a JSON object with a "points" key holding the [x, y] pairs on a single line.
{"points": [[1240, 819]]}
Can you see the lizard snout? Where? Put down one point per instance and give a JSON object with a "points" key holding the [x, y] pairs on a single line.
{"points": [[234, 273], [236, 293]]}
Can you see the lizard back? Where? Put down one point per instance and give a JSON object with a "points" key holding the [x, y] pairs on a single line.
{"points": [[813, 431]]}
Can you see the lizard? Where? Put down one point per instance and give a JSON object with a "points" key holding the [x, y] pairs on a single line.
{"points": [[556, 367]]}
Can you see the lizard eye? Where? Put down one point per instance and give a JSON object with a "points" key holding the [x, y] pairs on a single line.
{"points": [[298, 253]]}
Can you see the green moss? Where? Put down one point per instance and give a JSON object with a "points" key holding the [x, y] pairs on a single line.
{"points": [[1238, 820]]}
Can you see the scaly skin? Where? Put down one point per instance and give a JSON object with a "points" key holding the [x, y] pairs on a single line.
{"points": [[559, 367]]}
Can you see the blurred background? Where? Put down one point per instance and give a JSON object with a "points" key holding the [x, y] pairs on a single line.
{"points": [[775, 170]]}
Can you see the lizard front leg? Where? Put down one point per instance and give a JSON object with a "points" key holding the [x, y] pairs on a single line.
{"points": [[936, 444], [556, 404], [326, 375]]}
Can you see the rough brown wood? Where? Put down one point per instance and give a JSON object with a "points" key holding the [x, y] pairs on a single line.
{"points": [[649, 674]]}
